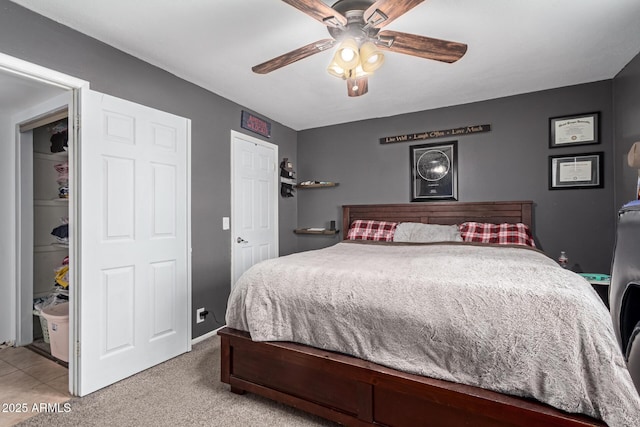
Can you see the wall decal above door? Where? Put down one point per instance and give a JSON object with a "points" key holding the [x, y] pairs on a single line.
{"points": [[255, 124]]}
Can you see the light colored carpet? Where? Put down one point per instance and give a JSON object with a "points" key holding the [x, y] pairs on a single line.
{"points": [[185, 391]]}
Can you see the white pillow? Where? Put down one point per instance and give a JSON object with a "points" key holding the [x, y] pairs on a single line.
{"points": [[425, 233]]}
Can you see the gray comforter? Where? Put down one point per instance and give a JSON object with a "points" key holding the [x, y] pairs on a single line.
{"points": [[508, 319]]}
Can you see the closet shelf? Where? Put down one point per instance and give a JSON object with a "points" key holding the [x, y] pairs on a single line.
{"points": [[62, 156], [40, 295], [53, 247], [50, 202]]}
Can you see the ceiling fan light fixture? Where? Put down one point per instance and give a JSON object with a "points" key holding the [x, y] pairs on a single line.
{"points": [[371, 57], [347, 56], [335, 70], [359, 72]]}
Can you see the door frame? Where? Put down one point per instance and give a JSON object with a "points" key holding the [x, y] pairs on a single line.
{"points": [[274, 147], [47, 76]]}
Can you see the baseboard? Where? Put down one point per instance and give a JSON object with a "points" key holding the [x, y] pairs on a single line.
{"points": [[201, 338]]}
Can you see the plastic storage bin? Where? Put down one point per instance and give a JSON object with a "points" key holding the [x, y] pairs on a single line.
{"points": [[58, 324], [43, 326]]}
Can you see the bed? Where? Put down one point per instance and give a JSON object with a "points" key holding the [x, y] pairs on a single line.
{"points": [[356, 391]]}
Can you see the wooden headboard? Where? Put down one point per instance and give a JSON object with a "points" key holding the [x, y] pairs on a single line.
{"points": [[440, 213]]}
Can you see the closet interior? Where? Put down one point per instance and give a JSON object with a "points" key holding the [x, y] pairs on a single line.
{"points": [[50, 210]]}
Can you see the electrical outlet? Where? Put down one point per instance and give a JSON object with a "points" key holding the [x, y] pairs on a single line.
{"points": [[200, 315]]}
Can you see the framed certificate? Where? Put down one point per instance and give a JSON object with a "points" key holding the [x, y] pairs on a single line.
{"points": [[434, 172], [581, 129], [576, 171]]}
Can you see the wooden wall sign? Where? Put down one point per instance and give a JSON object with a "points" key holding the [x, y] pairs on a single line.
{"points": [[466, 130], [255, 124]]}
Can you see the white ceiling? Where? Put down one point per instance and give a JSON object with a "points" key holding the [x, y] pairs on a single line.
{"points": [[513, 47]]}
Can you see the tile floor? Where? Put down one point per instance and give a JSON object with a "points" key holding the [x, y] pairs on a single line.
{"points": [[27, 378]]}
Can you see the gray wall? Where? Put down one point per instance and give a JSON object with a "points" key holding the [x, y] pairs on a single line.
{"points": [[33, 38], [626, 106], [508, 163]]}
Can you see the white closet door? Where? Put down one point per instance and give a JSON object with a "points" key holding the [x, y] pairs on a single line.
{"points": [[134, 269], [254, 198]]}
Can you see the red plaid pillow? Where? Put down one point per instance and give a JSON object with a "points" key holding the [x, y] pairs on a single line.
{"points": [[371, 230], [503, 234]]}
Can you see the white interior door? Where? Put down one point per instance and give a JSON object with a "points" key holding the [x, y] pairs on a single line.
{"points": [[254, 204], [134, 285]]}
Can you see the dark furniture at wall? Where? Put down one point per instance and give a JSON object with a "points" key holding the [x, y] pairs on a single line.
{"points": [[624, 291], [355, 392]]}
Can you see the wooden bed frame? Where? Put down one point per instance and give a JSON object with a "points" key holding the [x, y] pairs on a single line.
{"points": [[355, 392]]}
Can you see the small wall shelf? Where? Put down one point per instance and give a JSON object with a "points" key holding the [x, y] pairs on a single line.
{"points": [[320, 185], [315, 231]]}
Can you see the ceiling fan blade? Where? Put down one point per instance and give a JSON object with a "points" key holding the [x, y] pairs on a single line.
{"points": [[423, 47], [293, 56], [384, 12], [319, 11]]}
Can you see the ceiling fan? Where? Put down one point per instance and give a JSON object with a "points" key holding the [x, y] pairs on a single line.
{"points": [[356, 25]]}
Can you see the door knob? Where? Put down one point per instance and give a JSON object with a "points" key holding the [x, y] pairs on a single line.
{"points": [[241, 240]]}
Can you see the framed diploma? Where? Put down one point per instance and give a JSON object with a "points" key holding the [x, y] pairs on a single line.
{"points": [[581, 129], [434, 172], [576, 171]]}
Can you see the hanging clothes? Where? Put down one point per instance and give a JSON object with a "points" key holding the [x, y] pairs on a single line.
{"points": [[59, 137]]}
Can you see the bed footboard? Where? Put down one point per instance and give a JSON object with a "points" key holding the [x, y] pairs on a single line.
{"points": [[354, 392]]}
